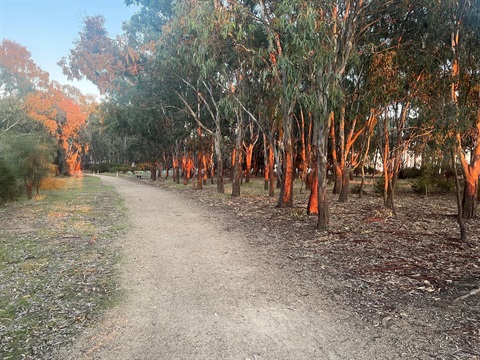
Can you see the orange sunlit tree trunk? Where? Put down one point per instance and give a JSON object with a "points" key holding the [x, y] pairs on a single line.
{"points": [[249, 150]]}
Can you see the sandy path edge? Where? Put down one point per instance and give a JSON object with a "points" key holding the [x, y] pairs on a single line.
{"points": [[194, 290]]}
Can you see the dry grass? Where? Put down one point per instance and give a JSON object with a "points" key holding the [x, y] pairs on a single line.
{"points": [[57, 265]]}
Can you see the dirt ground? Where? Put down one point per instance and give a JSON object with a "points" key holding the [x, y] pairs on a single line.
{"points": [[211, 277]]}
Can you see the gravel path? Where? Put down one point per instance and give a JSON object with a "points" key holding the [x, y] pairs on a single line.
{"points": [[195, 290]]}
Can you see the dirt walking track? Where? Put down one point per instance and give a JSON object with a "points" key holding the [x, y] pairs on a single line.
{"points": [[194, 289]]}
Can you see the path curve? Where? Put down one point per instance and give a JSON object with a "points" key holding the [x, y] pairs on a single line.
{"points": [[194, 290]]}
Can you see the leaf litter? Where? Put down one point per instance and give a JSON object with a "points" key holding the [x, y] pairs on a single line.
{"points": [[410, 274], [58, 260]]}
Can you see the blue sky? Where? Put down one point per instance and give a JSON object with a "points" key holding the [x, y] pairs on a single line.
{"points": [[47, 28]]}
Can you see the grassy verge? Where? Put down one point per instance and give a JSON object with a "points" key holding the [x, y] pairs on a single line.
{"points": [[58, 259]]}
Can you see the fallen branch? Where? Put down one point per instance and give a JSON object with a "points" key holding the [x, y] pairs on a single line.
{"points": [[471, 293]]}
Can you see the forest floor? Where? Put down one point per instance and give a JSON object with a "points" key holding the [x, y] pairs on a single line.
{"points": [[209, 276], [408, 275]]}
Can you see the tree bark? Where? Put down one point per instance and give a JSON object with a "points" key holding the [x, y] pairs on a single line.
{"points": [[153, 172], [337, 172], [461, 222], [345, 186], [266, 162], [312, 208], [218, 153], [248, 161], [469, 203], [237, 168], [271, 163], [29, 189], [322, 142], [286, 190], [200, 159]]}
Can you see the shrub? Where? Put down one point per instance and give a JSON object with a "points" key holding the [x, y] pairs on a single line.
{"points": [[355, 189], [30, 159], [8, 185], [378, 185], [422, 185], [432, 182], [444, 186]]}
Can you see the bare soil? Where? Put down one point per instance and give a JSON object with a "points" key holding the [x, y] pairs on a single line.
{"points": [[216, 277]]}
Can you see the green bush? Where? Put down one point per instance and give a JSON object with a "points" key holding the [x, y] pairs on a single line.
{"points": [[355, 189], [432, 182], [422, 185], [8, 185], [378, 185], [30, 159], [444, 186]]}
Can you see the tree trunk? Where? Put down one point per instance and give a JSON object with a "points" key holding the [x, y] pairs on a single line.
{"points": [[386, 151], [184, 170], [469, 202], [204, 168], [266, 162], [362, 182], [461, 223], [248, 161], [286, 190], [337, 172], [322, 142], [271, 163], [232, 163], [153, 172], [212, 167], [218, 153], [200, 159], [237, 168], [29, 189], [345, 186], [312, 208], [200, 170], [304, 161]]}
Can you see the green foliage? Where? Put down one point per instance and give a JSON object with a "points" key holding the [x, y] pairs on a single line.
{"points": [[8, 185], [378, 185], [30, 159], [355, 189], [432, 181]]}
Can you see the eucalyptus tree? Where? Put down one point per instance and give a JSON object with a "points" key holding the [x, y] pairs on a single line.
{"points": [[463, 112], [396, 81], [329, 37], [201, 58]]}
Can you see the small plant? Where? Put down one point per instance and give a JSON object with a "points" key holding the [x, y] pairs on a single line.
{"points": [[355, 189], [378, 185]]}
